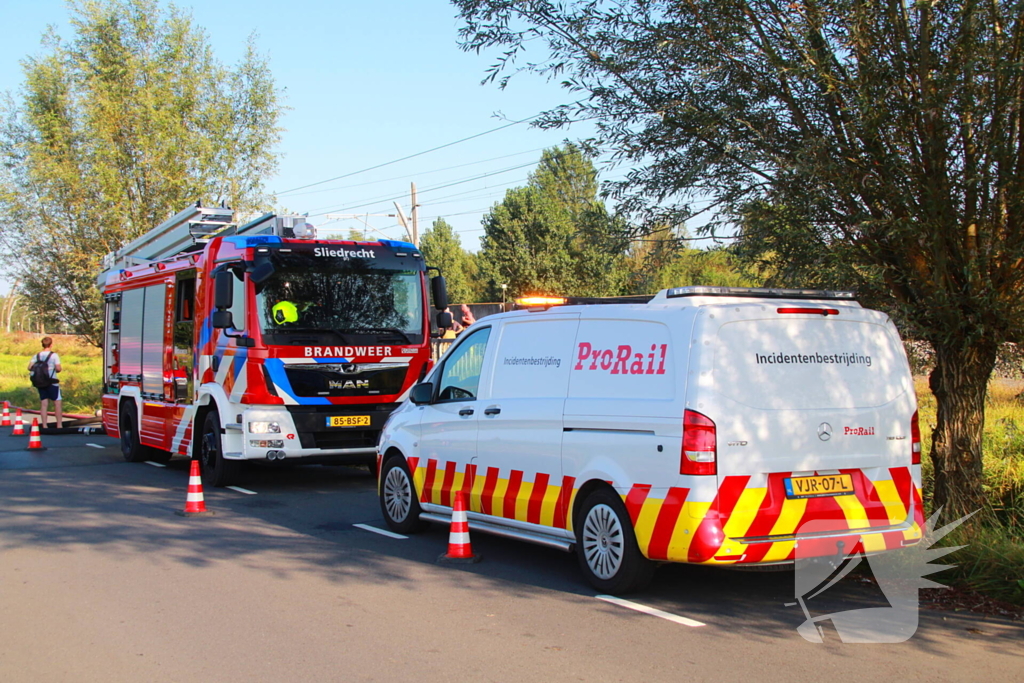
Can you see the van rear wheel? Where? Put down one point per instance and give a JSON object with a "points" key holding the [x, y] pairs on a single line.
{"points": [[606, 546]]}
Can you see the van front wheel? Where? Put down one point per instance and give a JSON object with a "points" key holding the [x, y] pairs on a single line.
{"points": [[606, 546], [398, 499]]}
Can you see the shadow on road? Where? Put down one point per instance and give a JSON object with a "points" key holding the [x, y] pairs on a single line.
{"points": [[301, 521]]}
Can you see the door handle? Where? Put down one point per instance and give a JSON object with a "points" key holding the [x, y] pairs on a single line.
{"points": [[492, 411], [466, 411]]}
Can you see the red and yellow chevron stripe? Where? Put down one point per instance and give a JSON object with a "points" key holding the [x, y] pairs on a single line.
{"points": [[737, 526]]}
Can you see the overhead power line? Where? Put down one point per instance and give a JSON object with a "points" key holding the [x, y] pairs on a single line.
{"points": [[378, 200], [411, 156], [417, 174]]}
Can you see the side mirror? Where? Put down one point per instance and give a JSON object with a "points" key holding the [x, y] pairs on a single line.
{"points": [[444, 320], [222, 320], [422, 393], [439, 291], [223, 291], [261, 272]]}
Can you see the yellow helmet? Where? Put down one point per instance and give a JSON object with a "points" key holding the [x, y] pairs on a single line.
{"points": [[285, 312]]}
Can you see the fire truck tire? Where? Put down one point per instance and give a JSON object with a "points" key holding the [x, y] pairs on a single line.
{"points": [[606, 546], [128, 425], [398, 501], [216, 470]]}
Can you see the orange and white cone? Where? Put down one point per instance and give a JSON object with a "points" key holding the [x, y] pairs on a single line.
{"points": [[6, 422], [19, 426], [34, 442], [194, 503], [460, 551]]}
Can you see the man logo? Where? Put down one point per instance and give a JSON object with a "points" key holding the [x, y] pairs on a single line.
{"points": [[349, 384], [824, 431]]}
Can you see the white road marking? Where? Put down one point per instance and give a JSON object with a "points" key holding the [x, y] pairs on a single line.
{"points": [[241, 490], [95, 445], [155, 464], [382, 532], [649, 610]]}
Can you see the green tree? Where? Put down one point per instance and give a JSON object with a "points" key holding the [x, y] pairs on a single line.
{"points": [[554, 236], [662, 259], [888, 133], [442, 248], [128, 123]]}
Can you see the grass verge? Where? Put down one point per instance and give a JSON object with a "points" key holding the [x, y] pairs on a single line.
{"points": [[992, 559], [81, 380]]}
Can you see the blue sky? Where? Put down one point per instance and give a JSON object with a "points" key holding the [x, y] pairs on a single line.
{"points": [[367, 83]]}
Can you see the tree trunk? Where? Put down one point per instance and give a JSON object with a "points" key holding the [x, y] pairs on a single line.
{"points": [[960, 383]]}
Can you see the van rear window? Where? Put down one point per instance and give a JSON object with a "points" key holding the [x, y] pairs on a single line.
{"points": [[809, 364]]}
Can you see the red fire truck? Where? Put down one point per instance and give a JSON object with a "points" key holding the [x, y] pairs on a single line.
{"points": [[230, 343]]}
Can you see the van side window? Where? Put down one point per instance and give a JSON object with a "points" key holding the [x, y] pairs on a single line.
{"points": [[460, 377]]}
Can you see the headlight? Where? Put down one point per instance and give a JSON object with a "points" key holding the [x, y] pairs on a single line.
{"points": [[264, 428], [269, 443]]}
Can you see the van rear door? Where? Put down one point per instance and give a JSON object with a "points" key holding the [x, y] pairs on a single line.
{"points": [[812, 403]]}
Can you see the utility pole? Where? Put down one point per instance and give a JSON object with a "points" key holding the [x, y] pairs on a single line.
{"points": [[403, 221], [415, 218]]}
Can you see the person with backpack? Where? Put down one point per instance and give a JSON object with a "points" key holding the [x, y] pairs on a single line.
{"points": [[43, 369]]}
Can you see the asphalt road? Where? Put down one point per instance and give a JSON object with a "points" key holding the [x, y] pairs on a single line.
{"points": [[101, 580]]}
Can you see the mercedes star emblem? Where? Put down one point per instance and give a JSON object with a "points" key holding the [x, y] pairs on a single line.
{"points": [[824, 431]]}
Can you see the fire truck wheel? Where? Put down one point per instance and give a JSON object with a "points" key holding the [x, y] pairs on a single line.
{"points": [[216, 470], [398, 499], [128, 424], [606, 546]]}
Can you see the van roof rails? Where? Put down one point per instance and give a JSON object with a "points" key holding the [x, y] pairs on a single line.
{"points": [[759, 292]]}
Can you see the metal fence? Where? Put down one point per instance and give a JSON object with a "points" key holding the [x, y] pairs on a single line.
{"points": [[438, 347]]}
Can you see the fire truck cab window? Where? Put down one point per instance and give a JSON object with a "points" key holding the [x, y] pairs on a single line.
{"points": [[329, 301], [186, 291]]}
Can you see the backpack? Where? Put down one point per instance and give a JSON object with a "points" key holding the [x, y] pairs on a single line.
{"points": [[40, 372]]}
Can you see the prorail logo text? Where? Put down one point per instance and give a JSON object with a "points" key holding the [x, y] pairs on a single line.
{"points": [[622, 359], [858, 431]]}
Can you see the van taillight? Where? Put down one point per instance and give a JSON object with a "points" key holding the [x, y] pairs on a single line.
{"points": [[699, 444], [915, 441]]}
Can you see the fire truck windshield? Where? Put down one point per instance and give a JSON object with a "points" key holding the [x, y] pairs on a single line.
{"points": [[326, 301]]}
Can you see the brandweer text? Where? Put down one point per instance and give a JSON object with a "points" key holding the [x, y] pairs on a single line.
{"points": [[341, 351]]}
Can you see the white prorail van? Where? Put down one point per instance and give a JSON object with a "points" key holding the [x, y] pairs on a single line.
{"points": [[709, 425]]}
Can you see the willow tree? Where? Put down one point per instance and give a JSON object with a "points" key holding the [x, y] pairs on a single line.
{"points": [[889, 133], [114, 131]]}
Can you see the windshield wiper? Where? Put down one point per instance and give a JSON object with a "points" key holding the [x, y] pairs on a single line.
{"points": [[380, 330], [307, 330]]}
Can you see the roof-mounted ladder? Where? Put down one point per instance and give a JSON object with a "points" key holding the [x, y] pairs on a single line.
{"points": [[195, 225]]}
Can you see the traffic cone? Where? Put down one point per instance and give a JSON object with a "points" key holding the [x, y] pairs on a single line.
{"points": [[194, 503], [19, 426], [459, 549], [34, 442], [6, 422]]}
